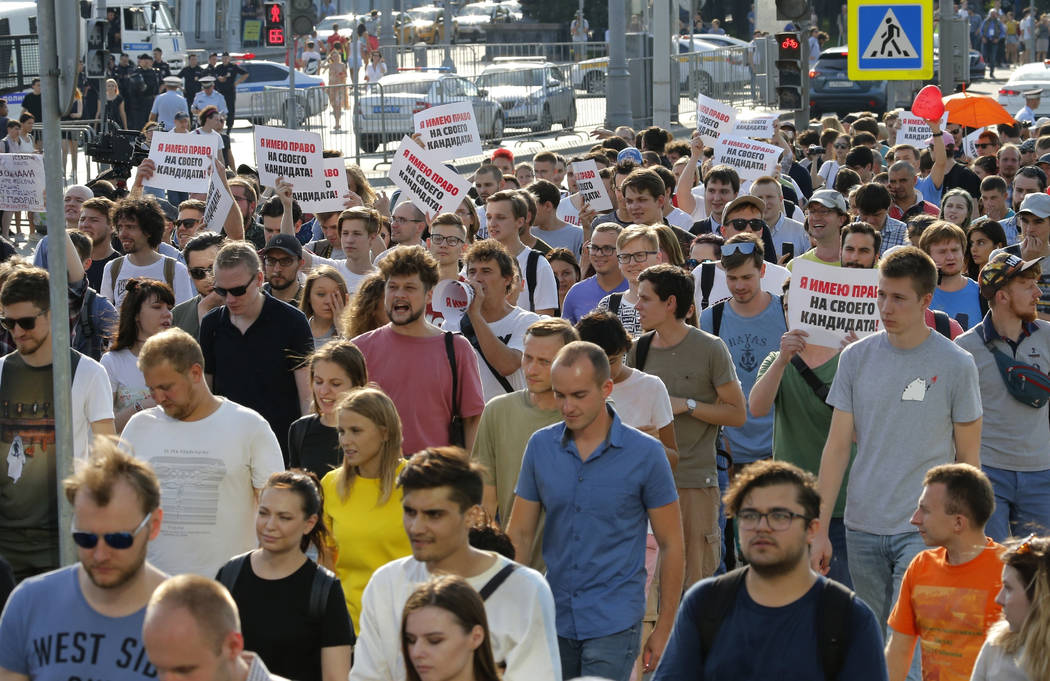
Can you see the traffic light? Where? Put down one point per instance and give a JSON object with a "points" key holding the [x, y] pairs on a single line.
{"points": [[97, 56], [793, 10], [303, 16], [274, 32], [789, 70]]}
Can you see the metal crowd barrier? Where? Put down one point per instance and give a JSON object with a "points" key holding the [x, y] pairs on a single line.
{"points": [[728, 74]]}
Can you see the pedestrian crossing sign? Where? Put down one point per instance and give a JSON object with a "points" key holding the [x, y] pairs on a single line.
{"points": [[890, 39]]}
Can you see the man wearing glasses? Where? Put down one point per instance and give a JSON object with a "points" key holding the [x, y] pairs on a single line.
{"points": [[199, 254], [407, 224], [28, 502], [96, 632], [254, 344]]}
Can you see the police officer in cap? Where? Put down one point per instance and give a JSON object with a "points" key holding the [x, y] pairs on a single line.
{"points": [[143, 86], [1026, 114]]}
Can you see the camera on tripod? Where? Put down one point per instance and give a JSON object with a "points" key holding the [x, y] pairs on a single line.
{"points": [[122, 149]]}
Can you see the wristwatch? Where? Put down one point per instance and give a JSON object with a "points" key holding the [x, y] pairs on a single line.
{"points": [[690, 404]]}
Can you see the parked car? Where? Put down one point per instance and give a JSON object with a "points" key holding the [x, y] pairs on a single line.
{"points": [[533, 94], [832, 91], [258, 108], [472, 19], [1028, 77], [385, 113], [427, 24], [977, 65]]}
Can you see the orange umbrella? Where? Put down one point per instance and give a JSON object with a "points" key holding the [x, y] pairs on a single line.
{"points": [[974, 110]]}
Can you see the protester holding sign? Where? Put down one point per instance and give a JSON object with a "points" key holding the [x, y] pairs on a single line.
{"points": [[449, 131]]}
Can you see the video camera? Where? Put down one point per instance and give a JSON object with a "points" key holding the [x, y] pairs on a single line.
{"points": [[122, 149]]}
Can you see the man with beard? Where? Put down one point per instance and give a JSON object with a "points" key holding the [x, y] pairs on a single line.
{"points": [[200, 257], [94, 222], [415, 363], [1015, 442], [97, 630], [1033, 216], [956, 295], [775, 505], [202, 447], [282, 262]]}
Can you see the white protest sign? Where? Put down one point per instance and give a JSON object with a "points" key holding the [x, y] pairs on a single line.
{"points": [[330, 195], [22, 182], [427, 183], [291, 154], [591, 188], [915, 130], [970, 143], [756, 125], [750, 159], [713, 119], [449, 131], [828, 302], [217, 205], [184, 162]]}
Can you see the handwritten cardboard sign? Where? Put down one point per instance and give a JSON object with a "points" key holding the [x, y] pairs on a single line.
{"points": [[22, 182]]}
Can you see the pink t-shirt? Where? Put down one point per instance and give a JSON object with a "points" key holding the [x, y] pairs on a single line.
{"points": [[415, 373]]}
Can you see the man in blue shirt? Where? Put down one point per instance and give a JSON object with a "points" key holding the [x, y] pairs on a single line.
{"points": [[585, 295], [599, 481], [208, 97], [768, 631], [956, 295]]}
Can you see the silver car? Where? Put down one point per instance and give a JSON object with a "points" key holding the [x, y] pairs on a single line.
{"points": [[386, 112], [532, 94]]}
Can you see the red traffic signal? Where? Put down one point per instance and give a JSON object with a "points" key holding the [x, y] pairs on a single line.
{"points": [[790, 43], [275, 36], [275, 13], [790, 46]]}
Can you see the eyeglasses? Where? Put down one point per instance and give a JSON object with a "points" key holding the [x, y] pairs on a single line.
{"points": [[236, 291], [398, 220], [639, 257], [754, 224], [278, 262], [187, 223], [600, 250], [452, 241], [115, 540], [778, 519], [984, 145], [200, 272], [954, 132], [842, 146], [745, 247], [27, 323]]}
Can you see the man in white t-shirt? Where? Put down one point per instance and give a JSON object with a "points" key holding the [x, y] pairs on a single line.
{"points": [[310, 60], [212, 457], [495, 328], [140, 225], [506, 217], [441, 489]]}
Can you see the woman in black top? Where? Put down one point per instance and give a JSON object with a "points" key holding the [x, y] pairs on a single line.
{"points": [[293, 612], [335, 368]]}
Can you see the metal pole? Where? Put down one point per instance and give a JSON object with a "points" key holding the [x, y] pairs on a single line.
{"points": [[290, 120], [662, 71], [100, 12], [802, 115], [1031, 33], [56, 258], [618, 83], [947, 48], [449, 31]]}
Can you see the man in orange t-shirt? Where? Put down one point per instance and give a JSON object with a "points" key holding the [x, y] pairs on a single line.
{"points": [[947, 596]]}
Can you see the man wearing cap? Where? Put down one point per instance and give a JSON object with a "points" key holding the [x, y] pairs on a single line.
{"points": [[228, 75], [1027, 180], [208, 97], [1026, 114], [1027, 150], [169, 103], [191, 75], [282, 261], [1015, 441], [826, 214], [1034, 221], [143, 86]]}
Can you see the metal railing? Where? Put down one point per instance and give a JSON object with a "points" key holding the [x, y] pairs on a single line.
{"points": [[728, 74], [19, 62]]}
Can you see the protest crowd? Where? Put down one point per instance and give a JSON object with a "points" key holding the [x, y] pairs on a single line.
{"points": [[754, 403]]}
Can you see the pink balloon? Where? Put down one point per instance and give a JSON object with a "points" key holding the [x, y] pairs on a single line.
{"points": [[928, 103]]}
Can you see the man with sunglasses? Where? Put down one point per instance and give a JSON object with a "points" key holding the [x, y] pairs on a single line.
{"points": [[283, 264], [85, 620], [28, 502], [200, 254], [987, 144]]}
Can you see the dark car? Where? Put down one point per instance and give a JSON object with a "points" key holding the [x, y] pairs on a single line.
{"points": [[832, 91]]}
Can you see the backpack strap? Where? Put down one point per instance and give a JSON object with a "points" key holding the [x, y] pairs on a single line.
{"points": [[717, 310], [497, 579], [641, 349], [114, 273], [614, 303], [707, 282], [530, 278], [169, 272], [833, 627], [450, 352], [718, 601], [229, 572], [320, 589], [942, 323], [466, 328], [819, 387]]}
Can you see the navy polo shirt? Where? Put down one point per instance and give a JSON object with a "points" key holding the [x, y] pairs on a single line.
{"points": [[256, 368], [595, 529]]}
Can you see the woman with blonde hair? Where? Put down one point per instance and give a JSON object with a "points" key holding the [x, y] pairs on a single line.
{"points": [[324, 297], [958, 207], [362, 511], [1018, 646], [336, 86], [445, 633]]}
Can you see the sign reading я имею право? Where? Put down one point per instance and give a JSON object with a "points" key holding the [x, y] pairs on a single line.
{"points": [[890, 39]]}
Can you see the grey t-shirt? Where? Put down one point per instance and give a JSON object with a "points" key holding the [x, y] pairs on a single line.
{"points": [[1014, 436], [904, 404], [569, 236]]}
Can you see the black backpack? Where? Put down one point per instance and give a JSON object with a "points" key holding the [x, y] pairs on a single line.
{"points": [[835, 605], [320, 588]]}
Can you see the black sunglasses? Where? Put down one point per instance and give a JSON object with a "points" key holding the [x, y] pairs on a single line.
{"points": [[754, 224], [27, 323], [200, 272], [186, 223], [236, 291], [115, 540]]}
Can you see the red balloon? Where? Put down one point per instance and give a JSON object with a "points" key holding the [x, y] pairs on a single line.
{"points": [[928, 103]]}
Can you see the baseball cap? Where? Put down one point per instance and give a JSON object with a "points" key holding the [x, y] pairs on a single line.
{"points": [[1036, 203], [742, 200], [1028, 146], [946, 137], [179, 115], [284, 242], [1000, 269], [1042, 121], [830, 199], [1045, 158], [629, 154]]}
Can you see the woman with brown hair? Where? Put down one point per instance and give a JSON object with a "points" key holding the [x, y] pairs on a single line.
{"points": [[324, 297]]}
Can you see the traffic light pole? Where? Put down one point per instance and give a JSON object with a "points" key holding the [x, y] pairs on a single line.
{"points": [[802, 114], [290, 122], [100, 12], [947, 49]]}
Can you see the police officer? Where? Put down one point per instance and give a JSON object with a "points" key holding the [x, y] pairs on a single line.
{"points": [[191, 75], [122, 73], [159, 64], [143, 86], [208, 97], [228, 75], [1026, 114]]}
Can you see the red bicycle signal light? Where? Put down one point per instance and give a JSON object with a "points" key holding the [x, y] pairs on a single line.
{"points": [[790, 43]]}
